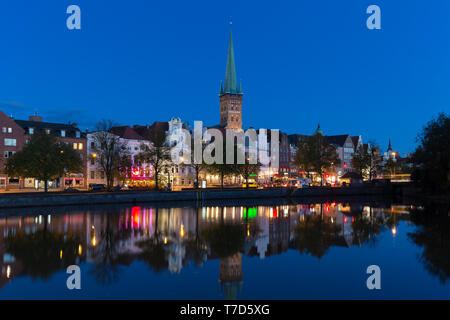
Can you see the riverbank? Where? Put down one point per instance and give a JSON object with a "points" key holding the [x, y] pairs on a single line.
{"points": [[200, 195]]}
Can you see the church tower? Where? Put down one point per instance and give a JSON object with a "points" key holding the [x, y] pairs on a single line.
{"points": [[231, 96]]}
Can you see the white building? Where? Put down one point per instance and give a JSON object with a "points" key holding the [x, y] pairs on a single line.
{"points": [[139, 175]]}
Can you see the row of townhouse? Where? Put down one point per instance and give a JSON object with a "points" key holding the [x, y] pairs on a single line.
{"points": [[141, 174], [345, 144], [15, 134]]}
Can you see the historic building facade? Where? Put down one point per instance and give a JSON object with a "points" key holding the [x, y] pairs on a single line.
{"points": [[12, 141], [69, 134]]}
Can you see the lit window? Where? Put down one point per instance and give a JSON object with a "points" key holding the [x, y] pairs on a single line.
{"points": [[9, 130], [80, 146], [63, 133], [3, 130], [47, 131], [75, 145], [10, 142], [30, 130]]}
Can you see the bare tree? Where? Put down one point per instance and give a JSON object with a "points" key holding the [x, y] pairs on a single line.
{"points": [[108, 151], [157, 153]]}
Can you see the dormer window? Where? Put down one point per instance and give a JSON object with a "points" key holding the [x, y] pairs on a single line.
{"points": [[63, 133], [30, 130], [77, 134]]}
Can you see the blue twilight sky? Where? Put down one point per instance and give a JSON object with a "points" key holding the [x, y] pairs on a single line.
{"points": [[301, 62]]}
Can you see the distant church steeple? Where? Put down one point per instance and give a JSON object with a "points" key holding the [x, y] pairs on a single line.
{"points": [[319, 130], [389, 147], [231, 95]]}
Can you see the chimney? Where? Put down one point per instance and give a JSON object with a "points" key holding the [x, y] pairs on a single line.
{"points": [[35, 118]]}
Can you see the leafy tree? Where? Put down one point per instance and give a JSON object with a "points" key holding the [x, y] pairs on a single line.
{"points": [[376, 163], [432, 233], [44, 158], [157, 154], [361, 160], [314, 235], [223, 169], [106, 253], [315, 153], [197, 167], [390, 167], [44, 252], [224, 239], [432, 157], [108, 150], [246, 169]]}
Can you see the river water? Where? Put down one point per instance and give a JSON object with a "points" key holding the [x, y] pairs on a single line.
{"points": [[227, 250]]}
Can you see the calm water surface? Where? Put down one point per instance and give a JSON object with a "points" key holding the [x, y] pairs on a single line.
{"points": [[227, 251]]}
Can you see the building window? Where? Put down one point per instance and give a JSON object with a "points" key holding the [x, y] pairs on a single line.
{"points": [[93, 145], [92, 174], [77, 134], [47, 131], [10, 142], [8, 154], [92, 161], [75, 145], [9, 130], [4, 130], [30, 130], [63, 133], [102, 174], [80, 146]]}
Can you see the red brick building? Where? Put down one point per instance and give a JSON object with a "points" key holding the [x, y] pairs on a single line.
{"points": [[66, 133], [16, 133], [12, 140]]}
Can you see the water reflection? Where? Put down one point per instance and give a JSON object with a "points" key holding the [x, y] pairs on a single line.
{"points": [[110, 239]]}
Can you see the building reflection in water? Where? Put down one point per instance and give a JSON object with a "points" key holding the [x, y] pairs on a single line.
{"points": [[171, 238]]}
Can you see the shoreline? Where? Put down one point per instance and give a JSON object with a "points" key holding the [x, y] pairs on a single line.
{"points": [[195, 196]]}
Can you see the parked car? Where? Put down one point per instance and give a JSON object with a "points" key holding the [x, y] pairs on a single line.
{"points": [[97, 187]]}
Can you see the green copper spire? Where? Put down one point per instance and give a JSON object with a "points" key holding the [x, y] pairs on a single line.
{"points": [[240, 87], [221, 87], [319, 130], [230, 76]]}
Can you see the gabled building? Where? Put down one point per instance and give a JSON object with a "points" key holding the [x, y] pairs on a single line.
{"points": [[179, 176], [138, 175]]}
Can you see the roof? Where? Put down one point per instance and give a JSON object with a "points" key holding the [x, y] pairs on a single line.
{"points": [[294, 138], [145, 131], [126, 132], [355, 140], [55, 128], [230, 75], [337, 140]]}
